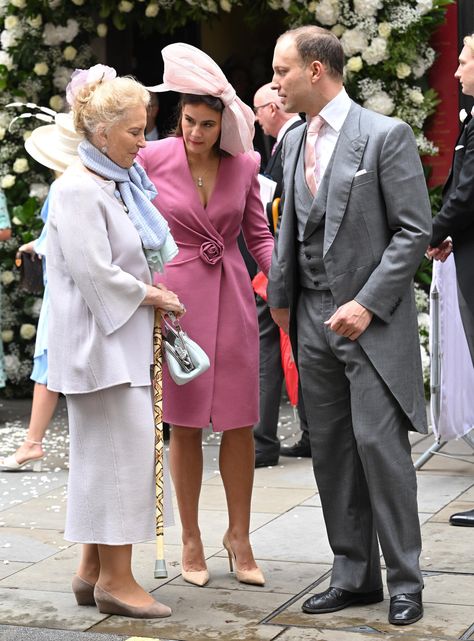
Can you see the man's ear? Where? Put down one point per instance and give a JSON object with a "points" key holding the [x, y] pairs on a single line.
{"points": [[274, 109], [316, 69]]}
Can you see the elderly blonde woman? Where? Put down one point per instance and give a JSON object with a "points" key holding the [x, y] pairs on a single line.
{"points": [[103, 235]]}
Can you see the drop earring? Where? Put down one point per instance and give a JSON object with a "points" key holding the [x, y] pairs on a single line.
{"points": [[104, 149]]}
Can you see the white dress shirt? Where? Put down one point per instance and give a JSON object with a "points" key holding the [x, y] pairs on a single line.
{"points": [[284, 128], [334, 113]]}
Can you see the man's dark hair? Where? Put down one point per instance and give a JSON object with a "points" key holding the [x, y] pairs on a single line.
{"points": [[315, 43]]}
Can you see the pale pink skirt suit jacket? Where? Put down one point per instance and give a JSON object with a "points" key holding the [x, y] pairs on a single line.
{"points": [[210, 278]]}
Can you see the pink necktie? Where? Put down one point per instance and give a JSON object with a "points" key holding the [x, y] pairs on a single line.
{"points": [[274, 148], [311, 168]]}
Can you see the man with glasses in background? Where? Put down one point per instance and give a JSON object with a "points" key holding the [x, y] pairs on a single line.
{"points": [[275, 122]]}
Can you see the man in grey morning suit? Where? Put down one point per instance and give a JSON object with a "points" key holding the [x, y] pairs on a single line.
{"points": [[341, 278]]}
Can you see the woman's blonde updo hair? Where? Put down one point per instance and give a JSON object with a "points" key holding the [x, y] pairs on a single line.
{"points": [[103, 103]]}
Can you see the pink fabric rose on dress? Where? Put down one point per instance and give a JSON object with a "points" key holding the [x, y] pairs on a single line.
{"points": [[211, 252], [81, 77]]}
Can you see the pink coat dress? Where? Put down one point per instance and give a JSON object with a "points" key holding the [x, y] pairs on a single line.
{"points": [[210, 278]]}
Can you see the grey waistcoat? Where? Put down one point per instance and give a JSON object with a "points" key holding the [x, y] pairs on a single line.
{"points": [[312, 274]]}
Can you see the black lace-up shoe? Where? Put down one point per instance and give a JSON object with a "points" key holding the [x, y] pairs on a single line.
{"points": [[301, 448], [464, 519], [405, 609], [334, 599]]}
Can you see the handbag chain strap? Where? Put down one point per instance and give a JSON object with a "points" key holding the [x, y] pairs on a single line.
{"points": [[179, 344], [172, 323]]}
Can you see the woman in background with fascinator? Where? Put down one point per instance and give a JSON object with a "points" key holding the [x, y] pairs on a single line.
{"points": [[54, 146], [104, 237], [5, 234], [206, 177]]}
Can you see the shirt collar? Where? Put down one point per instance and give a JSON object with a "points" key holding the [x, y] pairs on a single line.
{"points": [[286, 126], [335, 112]]}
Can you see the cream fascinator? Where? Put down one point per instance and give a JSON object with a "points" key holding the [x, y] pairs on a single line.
{"points": [[190, 70], [53, 145]]}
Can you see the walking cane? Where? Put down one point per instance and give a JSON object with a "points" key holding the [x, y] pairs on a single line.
{"points": [[160, 563]]}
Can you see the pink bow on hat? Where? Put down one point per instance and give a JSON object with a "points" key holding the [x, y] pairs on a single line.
{"points": [[190, 70]]}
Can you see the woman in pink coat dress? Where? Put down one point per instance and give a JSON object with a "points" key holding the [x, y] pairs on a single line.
{"points": [[208, 191]]}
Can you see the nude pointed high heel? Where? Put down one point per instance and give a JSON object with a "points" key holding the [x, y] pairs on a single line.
{"points": [[108, 604], [196, 577], [252, 577], [83, 591]]}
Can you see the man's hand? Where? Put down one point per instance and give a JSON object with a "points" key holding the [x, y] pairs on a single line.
{"points": [[441, 252], [281, 316], [350, 320]]}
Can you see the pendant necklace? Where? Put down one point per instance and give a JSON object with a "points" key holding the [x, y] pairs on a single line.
{"points": [[200, 182]]}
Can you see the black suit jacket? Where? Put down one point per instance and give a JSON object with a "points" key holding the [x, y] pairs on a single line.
{"points": [[274, 170], [456, 218]]}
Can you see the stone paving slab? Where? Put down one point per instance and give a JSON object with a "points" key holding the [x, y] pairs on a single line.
{"points": [[446, 588], [448, 548], [455, 506], [29, 545], [323, 634], [440, 587], [55, 572], [7, 568], [313, 501], [18, 487], [424, 517], [45, 609], [289, 541], [436, 491], [48, 511], [468, 495], [450, 466], [439, 621], [421, 442], [282, 578], [202, 614], [297, 535], [12, 633]]}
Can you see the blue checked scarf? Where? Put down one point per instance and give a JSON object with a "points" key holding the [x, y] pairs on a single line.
{"points": [[136, 191]]}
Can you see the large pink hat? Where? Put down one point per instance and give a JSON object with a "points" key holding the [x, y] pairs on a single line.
{"points": [[190, 70]]}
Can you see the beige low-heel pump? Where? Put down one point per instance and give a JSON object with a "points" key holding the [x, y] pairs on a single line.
{"points": [[83, 591], [108, 604], [252, 577]]}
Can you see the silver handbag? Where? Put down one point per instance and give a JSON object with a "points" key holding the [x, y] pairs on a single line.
{"points": [[184, 357]]}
